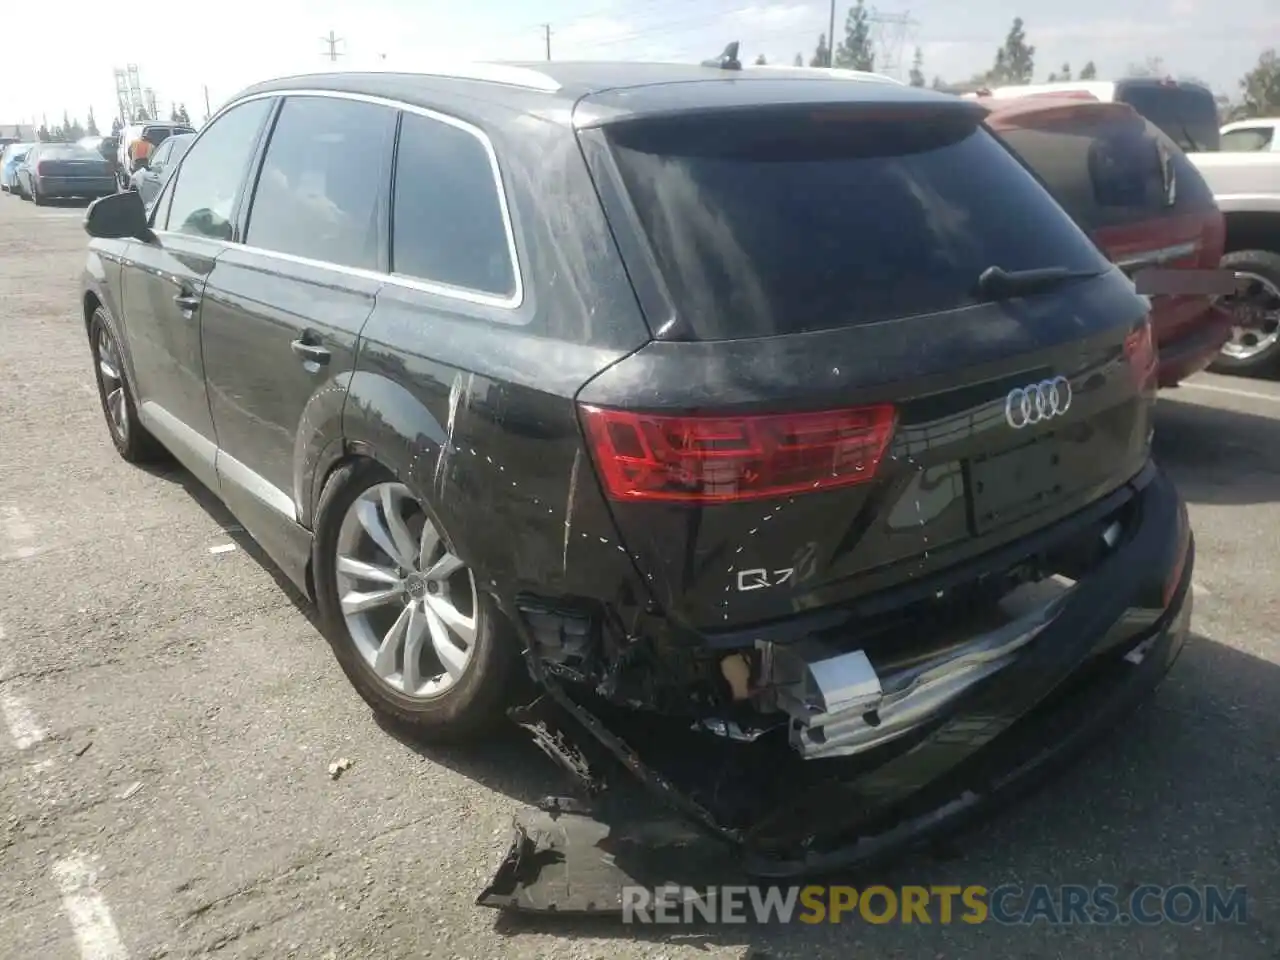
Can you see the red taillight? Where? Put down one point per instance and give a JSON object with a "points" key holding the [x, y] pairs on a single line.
{"points": [[1140, 351], [718, 459], [40, 168]]}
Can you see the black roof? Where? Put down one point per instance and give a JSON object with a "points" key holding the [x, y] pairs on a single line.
{"points": [[614, 88]]}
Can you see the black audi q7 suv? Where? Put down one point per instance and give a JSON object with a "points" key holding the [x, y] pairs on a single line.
{"points": [[725, 405]]}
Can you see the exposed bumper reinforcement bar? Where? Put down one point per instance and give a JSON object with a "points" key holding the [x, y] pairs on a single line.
{"points": [[841, 706]]}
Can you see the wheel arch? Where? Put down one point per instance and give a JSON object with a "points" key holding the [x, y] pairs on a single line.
{"points": [[384, 422]]}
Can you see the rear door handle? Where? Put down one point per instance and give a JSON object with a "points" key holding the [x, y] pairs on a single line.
{"points": [[310, 352]]}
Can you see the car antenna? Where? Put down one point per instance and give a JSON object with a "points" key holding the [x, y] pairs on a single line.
{"points": [[727, 60]]}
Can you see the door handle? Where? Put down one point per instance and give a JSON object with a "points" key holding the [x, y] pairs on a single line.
{"points": [[188, 303], [310, 352]]}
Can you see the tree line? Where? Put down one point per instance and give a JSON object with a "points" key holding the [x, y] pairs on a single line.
{"points": [[71, 130], [1014, 63]]}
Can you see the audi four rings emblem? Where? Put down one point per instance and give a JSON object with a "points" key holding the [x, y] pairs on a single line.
{"points": [[1037, 402]]}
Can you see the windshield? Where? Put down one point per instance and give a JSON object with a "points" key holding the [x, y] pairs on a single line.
{"points": [[793, 222], [67, 151], [1186, 114]]}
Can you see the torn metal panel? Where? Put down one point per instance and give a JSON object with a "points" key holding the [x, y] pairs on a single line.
{"points": [[575, 864]]}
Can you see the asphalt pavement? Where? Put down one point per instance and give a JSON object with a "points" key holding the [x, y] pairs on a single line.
{"points": [[170, 714]]}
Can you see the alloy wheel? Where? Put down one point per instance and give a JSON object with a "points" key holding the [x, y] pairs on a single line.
{"points": [[1258, 313], [409, 604], [111, 376]]}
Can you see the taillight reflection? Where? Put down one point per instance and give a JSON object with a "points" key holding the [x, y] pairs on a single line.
{"points": [[1140, 351]]}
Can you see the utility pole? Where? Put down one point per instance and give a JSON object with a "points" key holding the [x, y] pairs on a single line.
{"points": [[207, 112], [546, 32], [890, 33], [831, 36], [332, 42]]}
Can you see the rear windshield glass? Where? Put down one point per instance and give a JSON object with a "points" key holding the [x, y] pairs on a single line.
{"points": [[777, 223], [67, 151], [1109, 169], [158, 135], [1187, 115]]}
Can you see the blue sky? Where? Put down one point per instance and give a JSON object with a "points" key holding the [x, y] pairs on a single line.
{"points": [[237, 42]]}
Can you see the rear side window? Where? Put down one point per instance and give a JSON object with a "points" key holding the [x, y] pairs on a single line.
{"points": [[448, 225], [324, 178], [1248, 139], [1110, 169], [789, 221], [1186, 114]]}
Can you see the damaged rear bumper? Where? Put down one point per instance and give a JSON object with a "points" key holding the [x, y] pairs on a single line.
{"points": [[981, 726]]}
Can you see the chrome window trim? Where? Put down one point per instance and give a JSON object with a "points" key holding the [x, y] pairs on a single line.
{"points": [[1175, 252], [466, 295]]}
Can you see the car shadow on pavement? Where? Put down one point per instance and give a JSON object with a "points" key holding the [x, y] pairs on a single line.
{"points": [[507, 763], [1218, 456], [1182, 793], [208, 501], [67, 203]]}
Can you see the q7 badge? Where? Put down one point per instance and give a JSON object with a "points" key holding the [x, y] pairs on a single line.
{"points": [[759, 578]]}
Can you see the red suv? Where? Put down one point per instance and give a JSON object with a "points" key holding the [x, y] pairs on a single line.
{"points": [[1136, 193]]}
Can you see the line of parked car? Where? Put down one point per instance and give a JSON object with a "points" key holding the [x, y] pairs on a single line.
{"points": [[93, 167]]}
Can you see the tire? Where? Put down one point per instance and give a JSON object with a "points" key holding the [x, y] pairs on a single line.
{"points": [[476, 701], [37, 197], [1264, 265], [133, 442]]}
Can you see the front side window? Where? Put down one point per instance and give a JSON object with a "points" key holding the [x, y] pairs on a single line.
{"points": [[161, 156], [447, 222], [324, 179], [213, 173]]}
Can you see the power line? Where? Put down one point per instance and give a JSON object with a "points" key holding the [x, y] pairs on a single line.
{"points": [[889, 34], [332, 42]]}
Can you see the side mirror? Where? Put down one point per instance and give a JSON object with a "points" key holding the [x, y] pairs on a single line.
{"points": [[117, 216]]}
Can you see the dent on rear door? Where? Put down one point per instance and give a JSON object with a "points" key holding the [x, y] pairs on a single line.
{"points": [[269, 404]]}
